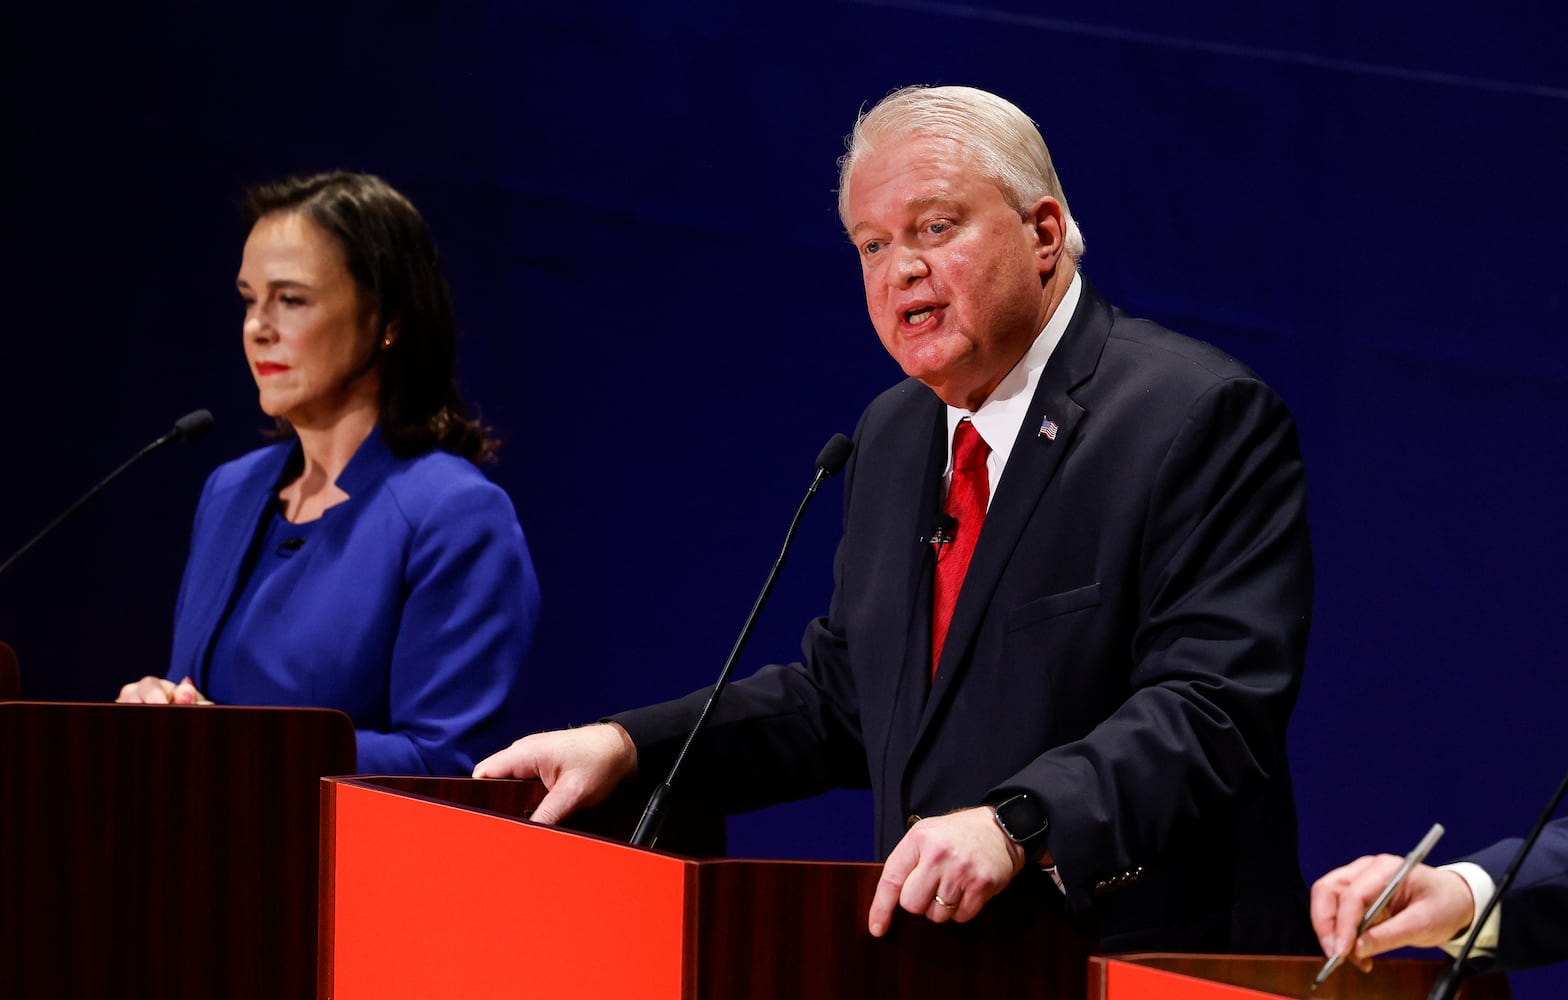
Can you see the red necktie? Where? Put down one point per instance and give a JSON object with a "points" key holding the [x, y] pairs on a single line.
{"points": [[967, 494]]}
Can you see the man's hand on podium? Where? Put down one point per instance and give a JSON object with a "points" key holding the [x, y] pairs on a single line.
{"points": [[579, 767], [946, 868]]}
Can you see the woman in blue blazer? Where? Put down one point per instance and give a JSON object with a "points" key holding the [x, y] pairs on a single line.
{"points": [[362, 562]]}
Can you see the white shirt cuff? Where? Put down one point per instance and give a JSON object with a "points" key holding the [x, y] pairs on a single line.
{"points": [[1482, 888], [1057, 878]]}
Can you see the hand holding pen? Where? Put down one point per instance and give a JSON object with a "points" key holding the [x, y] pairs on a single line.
{"points": [[1342, 913]]}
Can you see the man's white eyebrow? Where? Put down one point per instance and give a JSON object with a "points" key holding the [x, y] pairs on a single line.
{"points": [[918, 204]]}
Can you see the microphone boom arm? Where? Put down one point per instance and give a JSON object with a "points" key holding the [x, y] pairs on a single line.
{"points": [[647, 831], [187, 428]]}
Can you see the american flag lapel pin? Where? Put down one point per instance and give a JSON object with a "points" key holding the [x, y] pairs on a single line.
{"points": [[1048, 429]]}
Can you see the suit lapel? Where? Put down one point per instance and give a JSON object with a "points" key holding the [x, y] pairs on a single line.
{"points": [[921, 498], [1030, 468], [911, 505]]}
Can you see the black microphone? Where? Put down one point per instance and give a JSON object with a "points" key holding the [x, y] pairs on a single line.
{"points": [[1449, 983], [942, 533], [188, 428], [831, 459]]}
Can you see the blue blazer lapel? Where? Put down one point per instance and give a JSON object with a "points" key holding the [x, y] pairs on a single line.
{"points": [[236, 519]]}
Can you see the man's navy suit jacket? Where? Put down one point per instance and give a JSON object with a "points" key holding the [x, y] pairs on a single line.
{"points": [[1127, 645], [1534, 926]]}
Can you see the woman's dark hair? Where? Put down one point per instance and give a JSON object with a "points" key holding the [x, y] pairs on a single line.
{"points": [[392, 257]]}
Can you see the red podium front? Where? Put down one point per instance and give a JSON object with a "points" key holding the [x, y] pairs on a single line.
{"points": [[427, 894], [1251, 977]]}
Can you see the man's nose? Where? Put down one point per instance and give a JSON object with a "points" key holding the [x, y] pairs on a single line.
{"points": [[908, 266]]}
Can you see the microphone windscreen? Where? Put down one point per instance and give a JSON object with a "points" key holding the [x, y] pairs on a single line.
{"points": [[193, 425], [834, 454]]}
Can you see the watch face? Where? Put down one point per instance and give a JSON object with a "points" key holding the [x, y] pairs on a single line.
{"points": [[1022, 818]]}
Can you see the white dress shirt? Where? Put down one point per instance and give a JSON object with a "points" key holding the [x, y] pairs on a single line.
{"points": [[1001, 416]]}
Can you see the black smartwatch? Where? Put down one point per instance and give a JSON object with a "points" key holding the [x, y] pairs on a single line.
{"points": [[1022, 817]]}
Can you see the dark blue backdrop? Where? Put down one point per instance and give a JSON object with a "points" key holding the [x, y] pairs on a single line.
{"points": [[635, 206]]}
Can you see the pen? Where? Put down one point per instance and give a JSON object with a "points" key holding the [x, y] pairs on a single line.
{"points": [[1415, 857]]}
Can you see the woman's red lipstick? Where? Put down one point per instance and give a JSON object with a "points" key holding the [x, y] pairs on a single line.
{"points": [[270, 368]]}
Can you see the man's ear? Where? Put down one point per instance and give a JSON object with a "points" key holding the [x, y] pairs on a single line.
{"points": [[1049, 225]]}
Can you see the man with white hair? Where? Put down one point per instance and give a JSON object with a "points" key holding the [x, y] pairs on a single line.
{"points": [[1072, 595]]}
